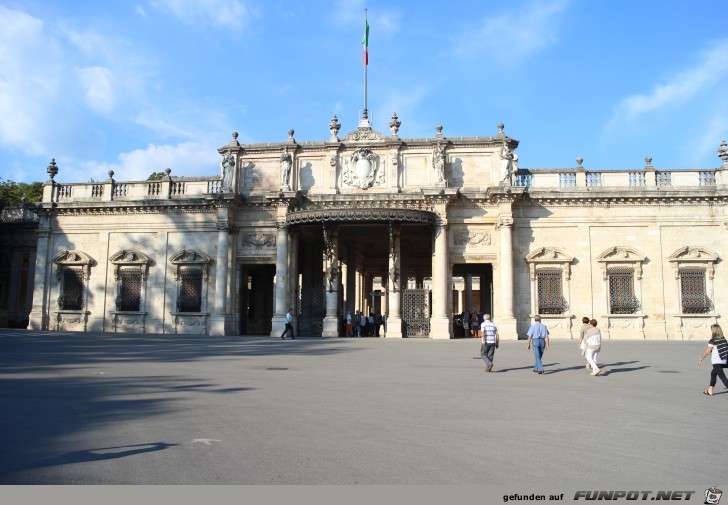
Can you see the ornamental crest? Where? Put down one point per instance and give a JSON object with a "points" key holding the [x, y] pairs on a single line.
{"points": [[362, 169]]}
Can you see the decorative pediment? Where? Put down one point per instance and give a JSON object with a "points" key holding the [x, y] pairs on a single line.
{"points": [[621, 254], [79, 259], [126, 259], [363, 134], [73, 258], [549, 255], [694, 254], [190, 257], [691, 256]]}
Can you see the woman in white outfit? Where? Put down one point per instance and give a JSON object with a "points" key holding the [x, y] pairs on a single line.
{"points": [[593, 346]]}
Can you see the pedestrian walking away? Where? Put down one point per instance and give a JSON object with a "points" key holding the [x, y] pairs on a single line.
{"points": [[718, 350], [593, 346], [582, 335], [538, 339], [289, 325], [489, 342]]}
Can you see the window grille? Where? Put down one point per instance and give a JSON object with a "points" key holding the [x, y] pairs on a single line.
{"points": [[190, 290], [130, 290], [71, 297], [550, 292], [622, 299], [692, 291]]}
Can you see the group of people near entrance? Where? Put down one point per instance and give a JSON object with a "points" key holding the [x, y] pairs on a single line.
{"points": [[590, 343], [362, 325]]}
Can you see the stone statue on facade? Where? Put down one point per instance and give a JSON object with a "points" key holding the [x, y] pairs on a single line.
{"points": [[228, 168], [438, 163], [286, 164], [508, 163]]}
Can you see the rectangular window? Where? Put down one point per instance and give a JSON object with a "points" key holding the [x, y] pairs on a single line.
{"points": [[550, 291], [71, 297], [622, 299], [692, 291], [130, 291], [189, 298]]}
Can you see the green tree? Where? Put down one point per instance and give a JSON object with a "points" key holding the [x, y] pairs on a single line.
{"points": [[12, 193], [156, 176]]}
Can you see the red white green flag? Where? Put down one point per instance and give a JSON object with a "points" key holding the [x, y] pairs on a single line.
{"points": [[365, 43]]}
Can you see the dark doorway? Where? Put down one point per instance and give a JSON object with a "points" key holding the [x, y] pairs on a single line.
{"points": [[256, 299]]}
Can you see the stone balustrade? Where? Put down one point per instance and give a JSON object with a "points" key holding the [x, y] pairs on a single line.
{"points": [[564, 178]]}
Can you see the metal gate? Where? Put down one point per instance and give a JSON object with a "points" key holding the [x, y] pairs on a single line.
{"points": [[416, 312], [312, 311]]}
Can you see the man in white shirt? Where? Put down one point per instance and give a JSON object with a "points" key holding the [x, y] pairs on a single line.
{"points": [[489, 342]]}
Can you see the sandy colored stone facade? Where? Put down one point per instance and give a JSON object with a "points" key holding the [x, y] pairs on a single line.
{"points": [[374, 223]]}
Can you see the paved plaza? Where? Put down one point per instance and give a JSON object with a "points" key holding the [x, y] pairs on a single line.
{"points": [[163, 409]]}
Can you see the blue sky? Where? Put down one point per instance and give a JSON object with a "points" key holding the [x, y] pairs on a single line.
{"points": [[139, 86]]}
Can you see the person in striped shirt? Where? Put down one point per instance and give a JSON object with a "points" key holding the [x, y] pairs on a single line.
{"points": [[489, 342], [718, 350]]}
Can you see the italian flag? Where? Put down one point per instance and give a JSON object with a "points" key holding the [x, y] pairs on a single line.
{"points": [[365, 43]]}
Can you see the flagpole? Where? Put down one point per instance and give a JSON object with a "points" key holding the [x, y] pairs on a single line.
{"points": [[366, 56]]}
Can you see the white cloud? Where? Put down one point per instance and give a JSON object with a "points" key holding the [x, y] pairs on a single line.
{"points": [[408, 106], [229, 14], [515, 34], [711, 67], [97, 83], [30, 81], [196, 158]]}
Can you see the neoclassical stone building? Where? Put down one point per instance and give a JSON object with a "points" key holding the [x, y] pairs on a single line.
{"points": [[378, 223]]}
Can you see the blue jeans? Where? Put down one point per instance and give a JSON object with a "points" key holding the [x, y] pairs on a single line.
{"points": [[538, 345]]}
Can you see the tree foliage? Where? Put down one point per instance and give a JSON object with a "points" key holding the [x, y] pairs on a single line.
{"points": [[156, 176], [12, 193]]}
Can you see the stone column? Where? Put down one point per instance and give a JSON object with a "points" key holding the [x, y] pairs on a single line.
{"points": [[460, 301], [394, 286], [40, 313], [506, 318], [440, 327], [280, 310], [293, 273], [351, 279], [468, 292], [331, 251], [218, 324]]}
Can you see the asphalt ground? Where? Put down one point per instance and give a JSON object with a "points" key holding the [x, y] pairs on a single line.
{"points": [[163, 409]]}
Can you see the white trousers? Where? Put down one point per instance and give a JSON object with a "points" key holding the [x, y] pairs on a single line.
{"points": [[591, 357]]}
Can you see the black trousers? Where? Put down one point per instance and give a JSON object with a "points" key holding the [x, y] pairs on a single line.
{"points": [[289, 327], [716, 372]]}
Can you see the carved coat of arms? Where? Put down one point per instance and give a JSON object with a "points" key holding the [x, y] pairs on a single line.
{"points": [[361, 169]]}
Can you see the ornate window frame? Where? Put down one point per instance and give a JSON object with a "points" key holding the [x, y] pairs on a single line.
{"points": [[130, 320], [80, 262], [190, 258], [696, 257], [552, 258], [624, 257], [191, 322]]}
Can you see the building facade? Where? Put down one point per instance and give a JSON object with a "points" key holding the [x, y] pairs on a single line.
{"points": [[375, 223]]}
